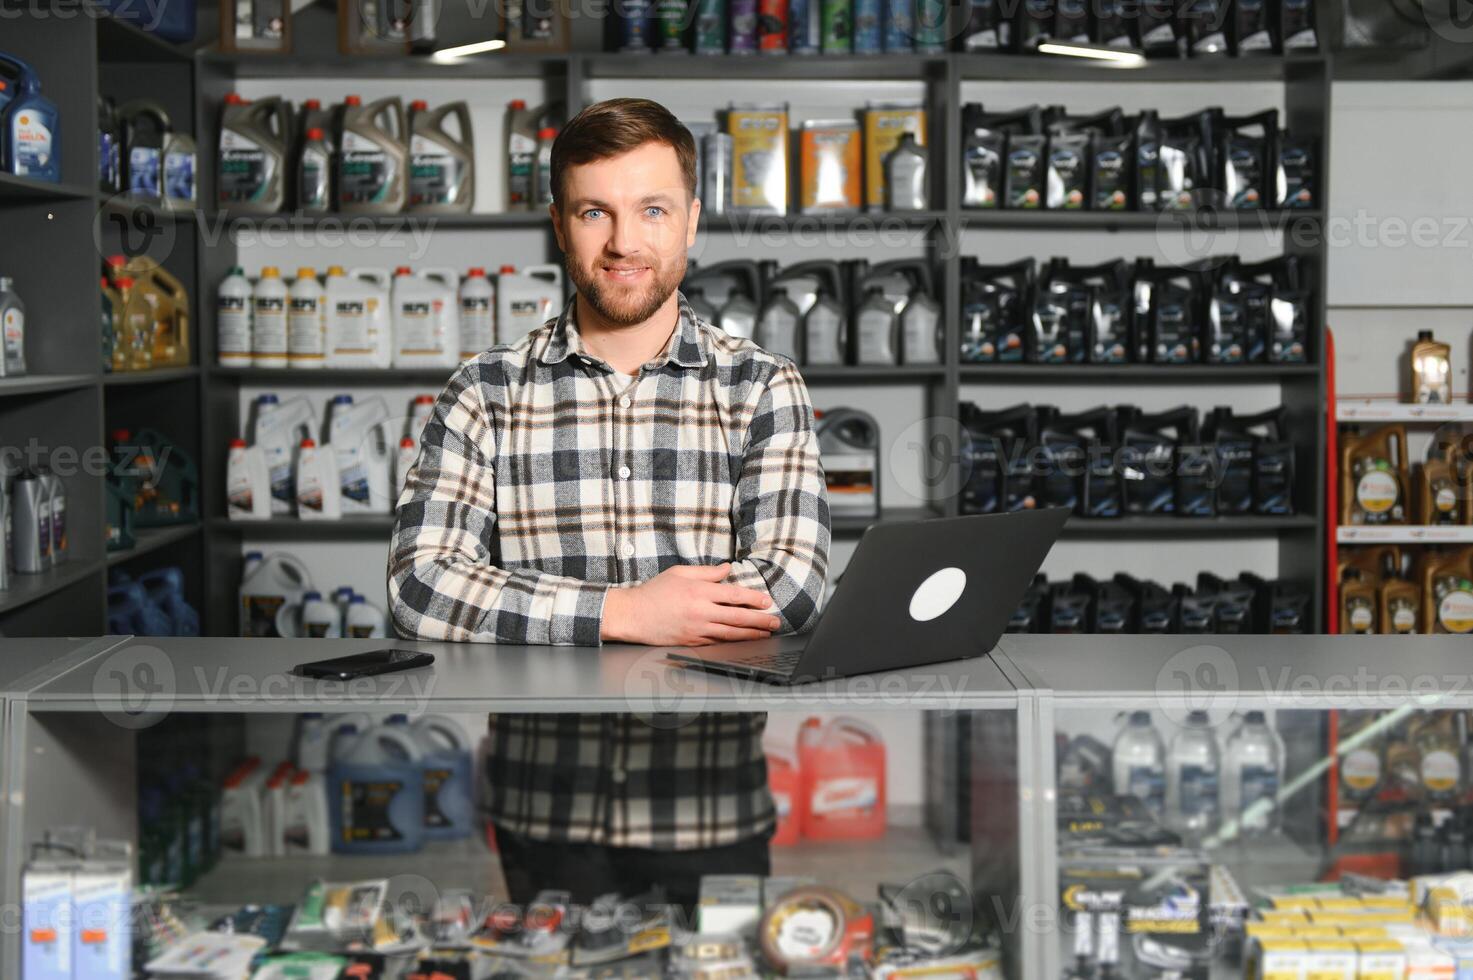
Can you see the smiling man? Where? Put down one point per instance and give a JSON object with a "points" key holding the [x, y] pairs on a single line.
{"points": [[627, 472]]}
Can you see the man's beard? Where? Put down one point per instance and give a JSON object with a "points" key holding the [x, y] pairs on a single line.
{"points": [[626, 308]]}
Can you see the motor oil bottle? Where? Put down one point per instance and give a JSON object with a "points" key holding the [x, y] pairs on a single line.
{"points": [[314, 174], [876, 328], [30, 144], [1440, 499], [363, 620], [1255, 462], [359, 321], [403, 462], [373, 165], [251, 173], [306, 321], [233, 319], [994, 311], [134, 328], [317, 483], [1079, 452], [247, 483], [849, 448], [735, 289], [1447, 591], [1359, 604], [60, 543], [477, 313], [359, 440], [1431, 364], [146, 131], [526, 300], [170, 301], [445, 760], [30, 524], [521, 155], [920, 330], [825, 339], [426, 318], [181, 173], [546, 136], [778, 326], [305, 823], [375, 794], [269, 330], [1373, 477], [12, 330], [1062, 309], [1151, 462], [442, 163], [995, 453], [907, 187], [1400, 607], [279, 429], [803, 280], [420, 412]]}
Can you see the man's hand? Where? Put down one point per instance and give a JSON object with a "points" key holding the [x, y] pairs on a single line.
{"points": [[687, 605]]}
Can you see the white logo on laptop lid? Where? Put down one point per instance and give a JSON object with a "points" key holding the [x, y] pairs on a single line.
{"points": [[938, 593]]}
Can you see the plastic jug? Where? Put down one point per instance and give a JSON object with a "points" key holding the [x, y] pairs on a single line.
{"points": [[278, 581], [169, 495], [30, 145], [359, 439], [1373, 477], [12, 330], [1447, 592], [319, 492], [314, 173], [320, 737], [165, 589], [242, 827], [279, 430], [320, 618], [363, 620], [168, 341], [442, 164], [359, 326], [250, 173], [849, 448], [477, 313], [112, 303], [526, 300], [233, 319], [270, 300], [784, 782], [306, 828], [129, 610], [273, 810], [376, 799], [842, 771], [306, 324], [426, 318], [778, 326], [373, 164], [734, 289], [445, 760]]}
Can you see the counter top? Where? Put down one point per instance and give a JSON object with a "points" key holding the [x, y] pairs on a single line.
{"points": [[1246, 671], [24, 664], [134, 675]]}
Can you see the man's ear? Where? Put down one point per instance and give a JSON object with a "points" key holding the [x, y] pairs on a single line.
{"points": [[557, 226], [692, 221]]}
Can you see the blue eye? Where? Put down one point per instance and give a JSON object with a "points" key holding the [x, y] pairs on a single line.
{"points": [[592, 212], [654, 210]]}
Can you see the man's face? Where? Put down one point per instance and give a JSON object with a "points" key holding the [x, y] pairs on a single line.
{"points": [[624, 227]]}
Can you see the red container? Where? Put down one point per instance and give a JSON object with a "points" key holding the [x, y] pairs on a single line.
{"points": [[841, 767], [787, 796]]}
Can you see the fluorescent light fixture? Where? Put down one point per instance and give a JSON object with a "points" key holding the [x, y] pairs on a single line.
{"points": [[1115, 56], [452, 55]]}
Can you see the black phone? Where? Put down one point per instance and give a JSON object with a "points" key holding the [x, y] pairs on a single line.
{"points": [[365, 664]]}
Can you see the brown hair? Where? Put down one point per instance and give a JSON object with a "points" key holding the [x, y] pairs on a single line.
{"points": [[614, 127]]}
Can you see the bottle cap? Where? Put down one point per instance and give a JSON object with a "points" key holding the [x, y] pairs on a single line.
{"points": [[309, 596], [234, 98], [516, 104], [407, 442], [403, 270], [315, 133], [1424, 334], [476, 272], [353, 100], [418, 105], [306, 272], [310, 443], [547, 133], [335, 270], [126, 282], [508, 270], [424, 399], [270, 272], [342, 399], [237, 443], [312, 104]]}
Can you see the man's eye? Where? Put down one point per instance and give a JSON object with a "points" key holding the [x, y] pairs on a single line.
{"points": [[592, 213], [654, 211]]}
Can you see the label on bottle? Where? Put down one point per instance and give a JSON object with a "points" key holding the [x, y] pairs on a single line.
{"points": [[435, 780], [239, 494], [246, 169], [14, 326], [31, 144], [1198, 791], [1361, 770], [269, 331], [367, 814], [233, 322], [1147, 784], [1376, 491], [1455, 611], [352, 326], [1362, 616], [1258, 783], [436, 176], [313, 191], [179, 176], [477, 325], [306, 331], [417, 327], [1440, 772], [366, 171]]}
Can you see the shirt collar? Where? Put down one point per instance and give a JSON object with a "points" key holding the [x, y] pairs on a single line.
{"points": [[687, 346]]}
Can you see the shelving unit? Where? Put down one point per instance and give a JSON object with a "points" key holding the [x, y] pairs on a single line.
{"points": [[203, 246]]}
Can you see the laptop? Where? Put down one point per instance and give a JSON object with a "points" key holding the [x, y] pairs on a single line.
{"points": [[914, 593]]}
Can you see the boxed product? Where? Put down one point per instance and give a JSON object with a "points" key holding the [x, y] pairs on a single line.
{"points": [[1380, 959], [759, 138], [1279, 959], [884, 124], [729, 904], [1155, 901], [829, 167]]}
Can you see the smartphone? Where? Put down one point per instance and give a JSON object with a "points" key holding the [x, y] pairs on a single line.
{"points": [[364, 664]]}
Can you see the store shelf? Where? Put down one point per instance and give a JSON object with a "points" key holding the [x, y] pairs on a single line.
{"points": [[1195, 221], [1045, 68], [368, 528], [880, 374], [1387, 411], [119, 41], [21, 189], [127, 379], [121, 204], [892, 67], [756, 223], [42, 384], [151, 539], [1405, 534], [1187, 526], [337, 222], [335, 376], [25, 589], [496, 64], [1187, 374]]}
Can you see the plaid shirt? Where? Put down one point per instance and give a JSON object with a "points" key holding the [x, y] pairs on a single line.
{"points": [[545, 478]]}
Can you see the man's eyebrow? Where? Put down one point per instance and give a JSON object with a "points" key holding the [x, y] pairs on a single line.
{"points": [[591, 202]]}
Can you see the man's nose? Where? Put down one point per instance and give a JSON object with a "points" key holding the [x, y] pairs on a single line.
{"points": [[624, 237]]}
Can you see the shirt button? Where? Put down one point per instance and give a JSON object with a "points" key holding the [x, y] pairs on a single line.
{"points": [[623, 472], [625, 402], [627, 549]]}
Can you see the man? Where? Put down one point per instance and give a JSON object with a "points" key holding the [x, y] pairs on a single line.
{"points": [[626, 473]]}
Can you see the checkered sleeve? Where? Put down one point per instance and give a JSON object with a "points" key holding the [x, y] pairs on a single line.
{"points": [[782, 505], [442, 583]]}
